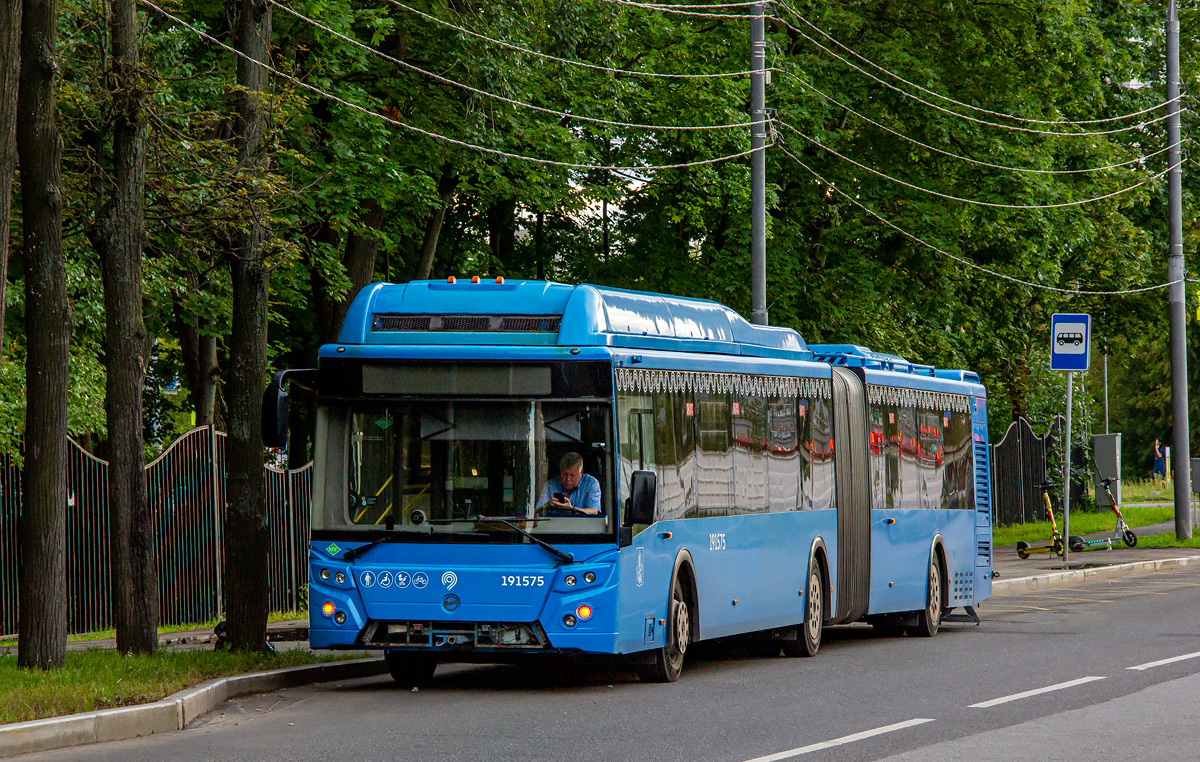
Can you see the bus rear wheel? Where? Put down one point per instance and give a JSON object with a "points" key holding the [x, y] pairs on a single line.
{"points": [[664, 665], [808, 640], [930, 617], [410, 670]]}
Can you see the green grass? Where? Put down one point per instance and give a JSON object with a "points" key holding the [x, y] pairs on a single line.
{"points": [[1168, 540], [102, 679], [1084, 523], [1143, 491], [274, 616]]}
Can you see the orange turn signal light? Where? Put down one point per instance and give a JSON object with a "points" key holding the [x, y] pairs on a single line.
{"points": [[584, 612], [327, 609]]}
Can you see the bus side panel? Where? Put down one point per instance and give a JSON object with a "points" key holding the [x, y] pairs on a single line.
{"points": [[957, 528], [750, 573], [900, 543], [983, 501]]}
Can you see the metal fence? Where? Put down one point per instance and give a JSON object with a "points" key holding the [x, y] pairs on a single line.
{"points": [[1019, 464], [186, 490]]}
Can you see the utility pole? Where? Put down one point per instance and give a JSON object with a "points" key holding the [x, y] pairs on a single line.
{"points": [[758, 166], [1181, 455]]}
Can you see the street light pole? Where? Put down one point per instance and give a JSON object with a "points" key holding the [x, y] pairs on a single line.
{"points": [[1181, 454], [758, 166]]}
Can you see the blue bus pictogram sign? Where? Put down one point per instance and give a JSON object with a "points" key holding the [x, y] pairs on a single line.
{"points": [[1070, 341]]}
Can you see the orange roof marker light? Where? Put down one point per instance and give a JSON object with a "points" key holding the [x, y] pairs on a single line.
{"points": [[474, 278], [500, 279], [452, 279]]}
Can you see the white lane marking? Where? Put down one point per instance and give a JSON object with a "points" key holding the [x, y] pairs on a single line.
{"points": [[841, 741], [1034, 692], [1161, 662]]}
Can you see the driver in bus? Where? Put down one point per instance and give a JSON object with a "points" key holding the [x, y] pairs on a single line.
{"points": [[572, 491]]}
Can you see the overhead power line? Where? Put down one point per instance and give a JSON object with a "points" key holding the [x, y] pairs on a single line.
{"points": [[428, 133], [568, 61], [495, 96], [961, 199], [948, 99], [968, 159], [968, 117], [687, 10], [962, 260]]}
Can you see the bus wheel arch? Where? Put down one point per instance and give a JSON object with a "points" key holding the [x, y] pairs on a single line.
{"points": [[665, 663], [814, 593], [930, 617], [685, 572]]}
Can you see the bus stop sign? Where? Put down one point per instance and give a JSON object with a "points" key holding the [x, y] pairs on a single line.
{"points": [[1070, 340]]}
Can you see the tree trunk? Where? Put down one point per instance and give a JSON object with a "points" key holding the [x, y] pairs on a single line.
{"points": [[502, 228], [42, 610], [539, 244], [361, 251], [10, 69], [127, 349], [200, 371], [433, 228], [247, 539]]}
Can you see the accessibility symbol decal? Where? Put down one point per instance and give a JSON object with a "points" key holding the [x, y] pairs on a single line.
{"points": [[402, 579], [367, 579], [385, 579], [420, 579]]}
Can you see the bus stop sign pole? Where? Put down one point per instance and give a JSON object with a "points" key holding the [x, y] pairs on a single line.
{"points": [[1070, 351]]}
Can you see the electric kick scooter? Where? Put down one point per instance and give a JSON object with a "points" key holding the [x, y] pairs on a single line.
{"points": [[1056, 545], [1121, 534]]}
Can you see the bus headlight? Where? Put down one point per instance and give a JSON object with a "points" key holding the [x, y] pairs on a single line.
{"points": [[340, 617], [340, 578], [569, 620], [327, 609], [324, 574], [570, 580], [584, 611], [589, 578]]}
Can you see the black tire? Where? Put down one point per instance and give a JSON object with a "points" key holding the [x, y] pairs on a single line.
{"points": [[410, 670], [1023, 550], [930, 617], [1129, 538], [808, 639], [664, 665], [1076, 544]]}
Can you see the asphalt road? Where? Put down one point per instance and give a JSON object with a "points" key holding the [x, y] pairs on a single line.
{"points": [[957, 696]]}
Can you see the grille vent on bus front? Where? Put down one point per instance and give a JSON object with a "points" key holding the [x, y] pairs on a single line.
{"points": [[509, 323]]}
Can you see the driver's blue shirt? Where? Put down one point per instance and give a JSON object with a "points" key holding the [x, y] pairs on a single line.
{"points": [[585, 495]]}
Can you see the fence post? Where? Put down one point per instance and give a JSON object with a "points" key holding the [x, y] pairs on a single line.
{"points": [[217, 475]]}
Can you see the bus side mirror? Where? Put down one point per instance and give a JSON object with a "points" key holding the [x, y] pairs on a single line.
{"points": [[640, 509], [275, 411]]}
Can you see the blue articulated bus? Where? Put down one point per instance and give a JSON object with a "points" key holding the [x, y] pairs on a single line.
{"points": [[515, 468]]}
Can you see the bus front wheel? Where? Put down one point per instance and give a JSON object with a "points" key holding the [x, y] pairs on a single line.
{"points": [[930, 617], [410, 670], [663, 665], [808, 640]]}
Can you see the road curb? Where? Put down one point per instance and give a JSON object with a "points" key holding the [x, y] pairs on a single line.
{"points": [[172, 713], [1055, 579]]}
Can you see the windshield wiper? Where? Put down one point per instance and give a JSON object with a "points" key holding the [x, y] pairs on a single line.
{"points": [[562, 556], [354, 553]]}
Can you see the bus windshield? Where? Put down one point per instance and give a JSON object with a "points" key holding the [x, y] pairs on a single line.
{"points": [[437, 465]]}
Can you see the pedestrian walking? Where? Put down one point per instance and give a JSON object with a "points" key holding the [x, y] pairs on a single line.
{"points": [[1160, 464]]}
